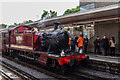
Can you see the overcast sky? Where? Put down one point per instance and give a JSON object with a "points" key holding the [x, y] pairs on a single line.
{"points": [[17, 12]]}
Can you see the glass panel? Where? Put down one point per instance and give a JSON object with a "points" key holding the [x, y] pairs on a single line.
{"points": [[87, 7], [89, 31]]}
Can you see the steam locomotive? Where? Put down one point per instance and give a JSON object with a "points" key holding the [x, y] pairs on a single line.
{"points": [[50, 48]]}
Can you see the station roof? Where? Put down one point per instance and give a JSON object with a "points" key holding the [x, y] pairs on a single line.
{"points": [[93, 15]]}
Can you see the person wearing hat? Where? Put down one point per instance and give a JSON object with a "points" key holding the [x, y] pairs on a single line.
{"points": [[97, 45]]}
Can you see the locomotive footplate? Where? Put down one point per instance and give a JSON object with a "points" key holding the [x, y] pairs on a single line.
{"points": [[69, 59]]}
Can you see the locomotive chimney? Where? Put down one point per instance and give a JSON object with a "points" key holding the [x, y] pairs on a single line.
{"points": [[56, 25]]}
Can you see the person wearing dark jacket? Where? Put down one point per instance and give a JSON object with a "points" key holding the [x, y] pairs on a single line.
{"points": [[106, 46], [104, 43], [75, 42], [97, 45], [72, 44], [85, 44]]}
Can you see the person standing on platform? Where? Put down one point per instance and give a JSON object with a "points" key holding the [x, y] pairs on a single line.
{"points": [[72, 45], [97, 45], [80, 41], [75, 42], [104, 43], [112, 46], [85, 44], [69, 43]]}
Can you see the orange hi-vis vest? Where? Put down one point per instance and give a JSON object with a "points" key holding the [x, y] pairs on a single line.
{"points": [[69, 41], [80, 41]]}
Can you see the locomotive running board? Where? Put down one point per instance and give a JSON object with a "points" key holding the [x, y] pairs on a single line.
{"points": [[26, 50]]}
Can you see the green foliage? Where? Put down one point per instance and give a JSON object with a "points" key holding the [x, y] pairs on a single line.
{"points": [[44, 14], [11, 26], [52, 14], [3, 25], [15, 24], [73, 10], [29, 21]]}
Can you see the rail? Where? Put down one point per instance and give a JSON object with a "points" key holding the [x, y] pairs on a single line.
{"points": [[21, 74]]}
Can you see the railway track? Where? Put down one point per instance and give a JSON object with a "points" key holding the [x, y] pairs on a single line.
{"points": [[39, 68], [70, 76], [4, 75], [9, 72]]}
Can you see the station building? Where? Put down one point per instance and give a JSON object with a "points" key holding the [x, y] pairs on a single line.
{"points": [[94, 18]]}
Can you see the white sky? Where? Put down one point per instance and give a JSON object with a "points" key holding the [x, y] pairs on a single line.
{"points": [[17, 11]]}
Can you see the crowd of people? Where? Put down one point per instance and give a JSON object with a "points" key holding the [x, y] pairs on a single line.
{"points": [[77, 43], [103, 45]]}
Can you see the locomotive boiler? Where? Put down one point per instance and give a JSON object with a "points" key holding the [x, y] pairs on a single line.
{"points": [[55, 41]]}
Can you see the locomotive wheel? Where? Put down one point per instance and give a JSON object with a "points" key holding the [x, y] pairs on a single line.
{"points": [[63, 69]]}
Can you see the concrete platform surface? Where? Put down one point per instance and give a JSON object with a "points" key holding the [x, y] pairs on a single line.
{"points": [[110, 59]]}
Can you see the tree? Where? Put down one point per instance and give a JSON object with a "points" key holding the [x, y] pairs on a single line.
{"points": [[3, 25], [44, 14], [29, 21], [11, 26], [73, 10], [48, 15], [53, 13], [15, 24]]}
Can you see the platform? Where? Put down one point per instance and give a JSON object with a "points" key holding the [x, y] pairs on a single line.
{"points": [[111, 59], [109, 64]]}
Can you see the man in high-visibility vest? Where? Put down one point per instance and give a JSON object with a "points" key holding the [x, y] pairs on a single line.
{"points": [[69, 41], [80, 41]]}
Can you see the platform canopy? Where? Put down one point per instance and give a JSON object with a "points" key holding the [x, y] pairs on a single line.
{"points": [[94, 15]]}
